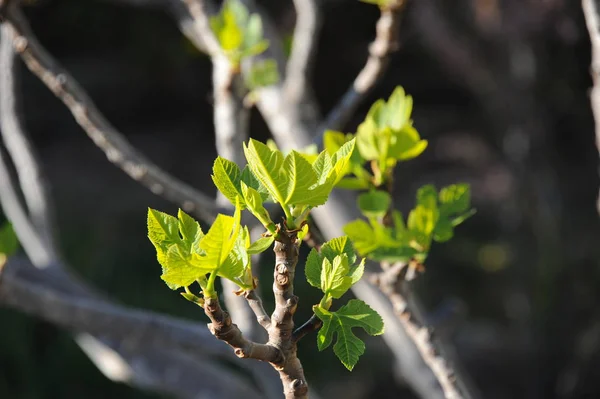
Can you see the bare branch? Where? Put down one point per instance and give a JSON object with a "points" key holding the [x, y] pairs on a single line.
{"points": [[223, 328], [200, 11], [112, 142], [257, 307], [37, 292], [11, 204], [172, 372], [421, 336], [312, 324], [592, 20], [32, 184], [386, 41], [300, 64], [282, 319]]}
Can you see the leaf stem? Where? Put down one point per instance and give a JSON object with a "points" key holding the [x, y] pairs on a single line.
{"points": [[209, 291], [289, 222]]}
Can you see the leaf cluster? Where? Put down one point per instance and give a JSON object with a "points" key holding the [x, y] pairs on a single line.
{"points": [[187, 255], [239, 33], [386, 137], [433, 218], [296, 182]]}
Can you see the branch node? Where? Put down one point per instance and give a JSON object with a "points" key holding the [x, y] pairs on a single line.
{"points": [[299, 387], [20, 44]]}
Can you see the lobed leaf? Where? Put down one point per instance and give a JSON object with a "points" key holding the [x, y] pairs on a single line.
{"points": [[348, 347]]}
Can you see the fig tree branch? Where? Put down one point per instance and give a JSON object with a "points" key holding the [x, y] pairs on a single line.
{"points": [[33, 185], [592, 19], [388, 282], [386, 42], [299, 68], [118, 150]]}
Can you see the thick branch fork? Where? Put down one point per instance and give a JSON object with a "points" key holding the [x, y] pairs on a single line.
{"points": [[281, 349]]}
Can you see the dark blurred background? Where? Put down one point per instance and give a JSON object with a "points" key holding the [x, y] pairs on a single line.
{"points": [[501, 92]]}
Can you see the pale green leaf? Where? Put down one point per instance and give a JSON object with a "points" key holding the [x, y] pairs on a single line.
{"points": [[260, 245], [406, 144], [357, 271], [266, 165], [181, 269], [366, 140], [341, 160], [374, 203], [362, 236], [322, 167], [226, 176], [339, 281], [163, 229], [254, 203], [301, 177], [218, 242], [332, 141]]}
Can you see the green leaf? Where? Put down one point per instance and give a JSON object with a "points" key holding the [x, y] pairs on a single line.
{"points": [[322, 167], [181, 268], [254, 203], [341, 160], [8, 239], [348, 347], [398, 109], [362, 236], [338, 246], [322, 269], [444, 230], [353, 183], [260, 245], [332, 141], [374, 204], [387, 134], [335, 280], [177, 247], [422, 219], [302, 178], [226, 176], [461, 218], [251, 181], [312, 268], [427, 196], [406, 144], [455, 198], [219, 241], [266, 165], [239, 34], [357, 271], [262, 73], [367, 140]]}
